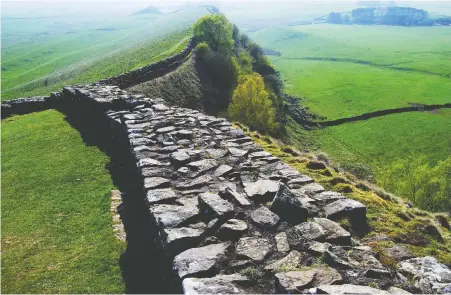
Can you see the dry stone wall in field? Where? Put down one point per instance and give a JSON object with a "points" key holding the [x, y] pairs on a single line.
{"points": [[230, 217], [227, 216]]}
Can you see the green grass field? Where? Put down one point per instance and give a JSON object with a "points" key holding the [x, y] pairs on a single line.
{"points": [[342, 71], [380, 141], [37, 59], [375, 67], [57, 234]]}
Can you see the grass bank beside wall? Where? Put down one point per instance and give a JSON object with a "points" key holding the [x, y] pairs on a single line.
{"points": [[57, 234]]}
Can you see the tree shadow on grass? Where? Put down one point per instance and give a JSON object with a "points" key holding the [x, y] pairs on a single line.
{"points": [[144, 264]]}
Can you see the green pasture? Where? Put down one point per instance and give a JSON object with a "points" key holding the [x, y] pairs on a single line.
{"points": [[348, 70], [37, 60], [57, 234], [378, 142]]}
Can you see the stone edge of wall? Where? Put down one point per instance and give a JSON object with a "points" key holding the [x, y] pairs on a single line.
{"points": [[153, 70]]}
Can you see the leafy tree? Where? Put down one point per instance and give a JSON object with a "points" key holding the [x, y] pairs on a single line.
{"points": [[216, 31], [427, 187], [251, 104]]}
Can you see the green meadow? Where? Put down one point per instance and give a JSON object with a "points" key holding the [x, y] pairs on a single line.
{"points": [[38, 59], [348, 70], [57, 233]]}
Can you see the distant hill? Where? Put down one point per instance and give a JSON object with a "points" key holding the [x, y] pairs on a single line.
{"points": [[149, 10]]}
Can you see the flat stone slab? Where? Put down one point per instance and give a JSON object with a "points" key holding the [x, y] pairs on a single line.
{"points": [[220, 284], [327, 197], [165, 129], [262, 189], [265, 218], [240, 198], [148, 162], [261, 154], [298, 281], [311, 189], [222, 170], [349, 289], [156, 182], [160, 195], [179, 157], [334, 233], [182, 238], [203, 165], [232, 230], [200, 181], [299, 181], [253, 248], [215, 153], [173, 215], [157, 172], [345, 208], [289, 262], [216, 204], [199, 260], [237, 152]]}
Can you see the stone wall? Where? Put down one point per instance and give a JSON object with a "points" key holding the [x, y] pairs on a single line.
{"points": [[375, 114], [22, 106], [153, 70], [232, 218], [227, 216]]}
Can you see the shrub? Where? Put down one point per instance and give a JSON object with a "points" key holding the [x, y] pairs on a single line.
{"points": [[427, 187], [251, 104], [202, 50], [216, 31]]}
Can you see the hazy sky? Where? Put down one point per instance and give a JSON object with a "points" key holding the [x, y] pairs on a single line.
{"points": [[39, 8]]}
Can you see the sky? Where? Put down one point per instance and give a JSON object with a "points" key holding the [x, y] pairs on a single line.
{"points": [[39, 8]]}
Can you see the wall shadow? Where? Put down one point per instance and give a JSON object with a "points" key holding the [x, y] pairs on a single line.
{"points": [[144, 264]]}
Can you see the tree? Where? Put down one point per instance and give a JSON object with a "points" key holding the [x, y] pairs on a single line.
{"points": [[216, 31], [334, 18], [427, 187], [251, 104]]}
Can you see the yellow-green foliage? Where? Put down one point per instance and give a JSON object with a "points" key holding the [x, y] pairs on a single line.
{"points": [[251, 104], [417, 229], [243, 62], [216, 31], [202, 49], [428, 187]]}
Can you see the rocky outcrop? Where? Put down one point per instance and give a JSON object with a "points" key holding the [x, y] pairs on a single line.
{"points": [[425, 275]]}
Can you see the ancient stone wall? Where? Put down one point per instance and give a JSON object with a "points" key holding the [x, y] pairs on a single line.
{"points": [[153, 70], [24, 106], [232, 218], [228, 216]]}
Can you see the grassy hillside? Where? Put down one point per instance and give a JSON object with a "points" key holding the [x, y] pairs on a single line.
{"points": [[342, 71], [39, 57], [349, 70], [57, 235]]}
